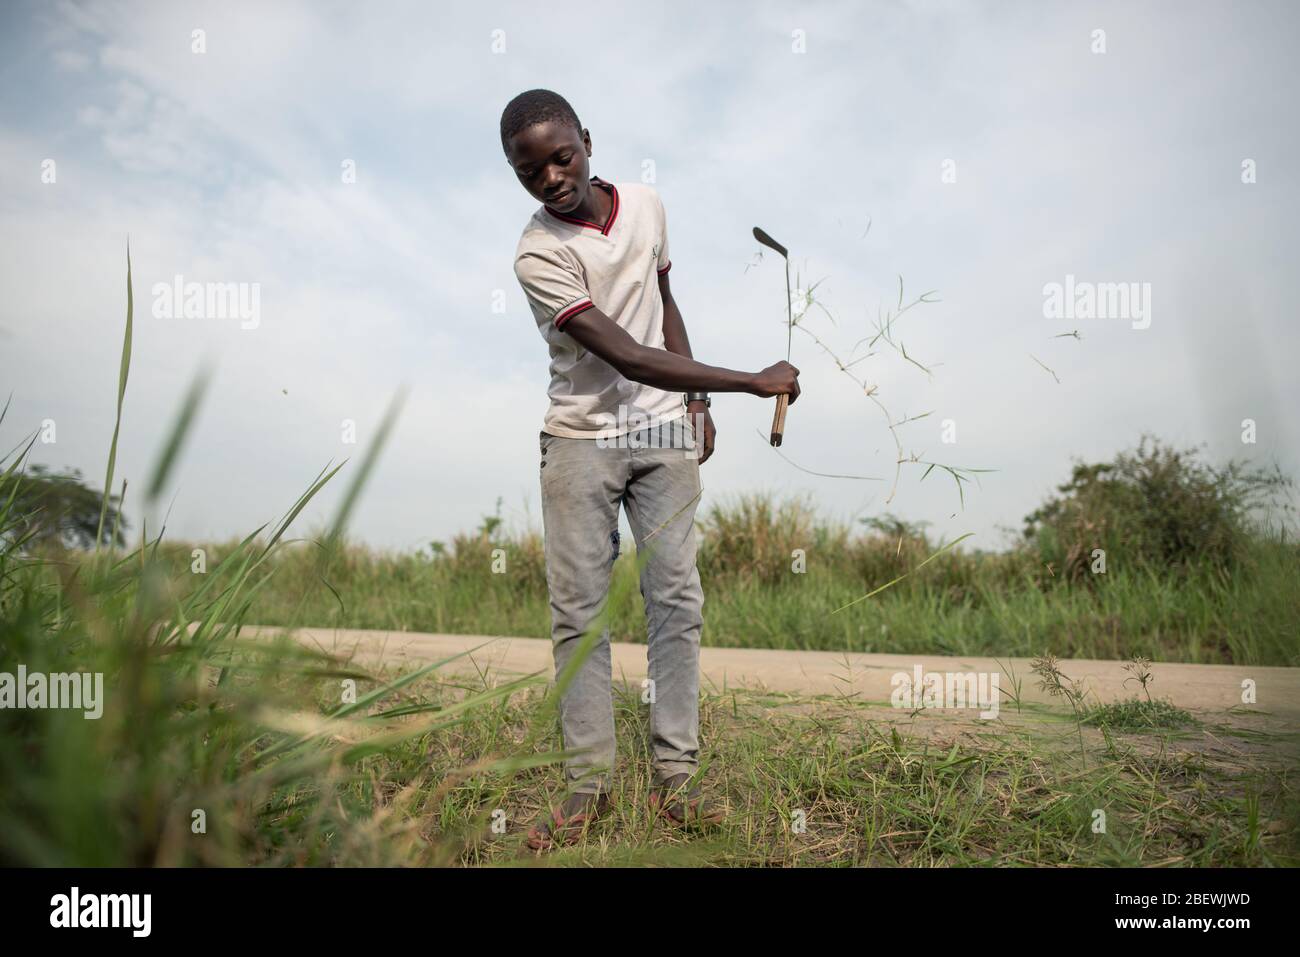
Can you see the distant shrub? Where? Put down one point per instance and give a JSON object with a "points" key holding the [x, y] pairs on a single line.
{"points": [[751, 537], [1154, 505], [59, 509], [473, 553]]}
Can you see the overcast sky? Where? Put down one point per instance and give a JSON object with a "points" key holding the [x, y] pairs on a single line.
{"points": [[834, 126]]}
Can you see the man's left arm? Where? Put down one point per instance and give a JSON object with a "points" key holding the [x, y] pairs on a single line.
{"points": [[675, 340]]}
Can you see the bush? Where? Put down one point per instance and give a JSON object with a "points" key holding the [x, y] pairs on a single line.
{"points": [[1154, 505], [61, 510], [751, 537]]}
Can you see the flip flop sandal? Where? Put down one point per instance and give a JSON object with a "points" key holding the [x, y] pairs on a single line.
{"points": [[665, 801], [561, 830]]}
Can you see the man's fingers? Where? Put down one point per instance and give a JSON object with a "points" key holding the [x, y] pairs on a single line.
{"points": [[709, 438]]}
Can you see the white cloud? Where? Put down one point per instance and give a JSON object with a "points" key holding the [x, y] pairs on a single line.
{"points": [[71, 61]]}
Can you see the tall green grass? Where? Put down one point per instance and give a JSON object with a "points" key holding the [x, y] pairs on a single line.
{"points": [[963, 602], [211, 749]]}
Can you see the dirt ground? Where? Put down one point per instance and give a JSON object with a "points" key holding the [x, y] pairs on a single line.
{"points": [[819, 682]]}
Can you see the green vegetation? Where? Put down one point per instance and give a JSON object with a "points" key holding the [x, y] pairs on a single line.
{"points": [[214, 749], [207, 749], [1159, 507], [1135, 715], [1160, 595]]}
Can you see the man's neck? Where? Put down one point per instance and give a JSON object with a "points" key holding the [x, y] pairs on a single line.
{"points": [[602, 204]]}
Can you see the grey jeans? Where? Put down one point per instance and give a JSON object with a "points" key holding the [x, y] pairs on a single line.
{"points": [[583, 485]]}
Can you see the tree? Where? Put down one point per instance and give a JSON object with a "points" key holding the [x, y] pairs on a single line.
{"points": [[59, 508], [1156, 505]]}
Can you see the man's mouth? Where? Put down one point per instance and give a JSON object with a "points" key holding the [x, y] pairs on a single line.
{"points": [[559, 198]]}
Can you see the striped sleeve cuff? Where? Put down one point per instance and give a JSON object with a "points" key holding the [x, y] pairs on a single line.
{"points": [[664, 271], [571, 310]]}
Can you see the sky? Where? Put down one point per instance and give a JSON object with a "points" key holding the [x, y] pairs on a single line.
{"points": [[344, 160]]}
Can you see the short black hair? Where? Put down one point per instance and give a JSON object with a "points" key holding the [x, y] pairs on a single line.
{"points": [[535, 106]]}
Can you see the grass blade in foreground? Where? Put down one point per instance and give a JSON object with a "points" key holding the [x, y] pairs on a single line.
{"points": [[124, 369]]}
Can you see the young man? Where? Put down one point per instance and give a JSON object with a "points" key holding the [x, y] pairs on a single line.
{"points": [[593, 262]]}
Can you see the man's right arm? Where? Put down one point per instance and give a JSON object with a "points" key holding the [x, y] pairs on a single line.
{"points": [[661, 369]]}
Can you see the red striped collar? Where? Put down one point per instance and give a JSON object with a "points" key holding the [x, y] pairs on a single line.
{"points": [[613, 212]]}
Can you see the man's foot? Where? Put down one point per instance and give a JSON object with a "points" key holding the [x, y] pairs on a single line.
{"points": [[567, 821], [682, 807]]}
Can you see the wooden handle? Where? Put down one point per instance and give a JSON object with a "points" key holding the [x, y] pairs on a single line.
{"points": [[778, 420]]}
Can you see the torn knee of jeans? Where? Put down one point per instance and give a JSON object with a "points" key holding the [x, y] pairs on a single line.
{"points": [[613, 542]]}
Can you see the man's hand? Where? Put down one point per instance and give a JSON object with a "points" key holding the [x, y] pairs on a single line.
{"points": [[779, 379], [699, 412]]}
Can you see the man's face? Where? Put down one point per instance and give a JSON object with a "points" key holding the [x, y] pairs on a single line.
{"points": [[550, 159]]}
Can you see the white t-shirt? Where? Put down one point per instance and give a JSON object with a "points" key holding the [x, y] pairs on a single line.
{"points": [[566, 266]]}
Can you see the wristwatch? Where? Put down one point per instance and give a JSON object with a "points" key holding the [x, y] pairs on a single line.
{"points": [[699, 397]]}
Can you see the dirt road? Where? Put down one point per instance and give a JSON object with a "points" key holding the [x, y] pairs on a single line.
{"points": [[866, 678]]}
